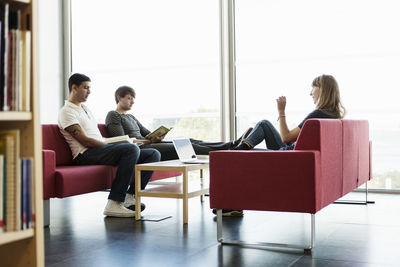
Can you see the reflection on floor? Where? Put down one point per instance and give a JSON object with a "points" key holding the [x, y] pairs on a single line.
{"points": [[346, 235]]}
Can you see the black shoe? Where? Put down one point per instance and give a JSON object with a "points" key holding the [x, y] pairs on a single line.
{"points": [[242, 146], [229, 213], [240, 139], [142, 207]]}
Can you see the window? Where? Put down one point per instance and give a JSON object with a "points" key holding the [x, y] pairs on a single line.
{"points": [[168, 51], [281, 46]]}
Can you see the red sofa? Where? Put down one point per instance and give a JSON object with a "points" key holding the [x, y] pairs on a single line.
{"points": [[61, 178], [330, 159]]}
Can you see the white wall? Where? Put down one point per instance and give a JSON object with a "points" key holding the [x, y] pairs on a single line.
{"points": [[50, 59]]}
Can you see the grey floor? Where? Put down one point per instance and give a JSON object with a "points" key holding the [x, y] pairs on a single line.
{"points": [[346, 235]]}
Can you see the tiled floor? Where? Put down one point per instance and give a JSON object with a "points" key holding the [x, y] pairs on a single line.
{"points": [[346, 235]]}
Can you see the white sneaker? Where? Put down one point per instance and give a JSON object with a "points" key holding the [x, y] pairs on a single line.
{"points": [[130, 202], [117, 209]]}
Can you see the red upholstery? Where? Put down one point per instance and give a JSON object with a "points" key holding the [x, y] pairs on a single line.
{"points": [[70, 181], [61, 178], [331, 158], [49, 167], [54, 140], [355, 155]]}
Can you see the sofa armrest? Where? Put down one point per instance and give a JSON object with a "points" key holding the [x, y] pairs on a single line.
{"points": [[266, 180], [49, 169]]}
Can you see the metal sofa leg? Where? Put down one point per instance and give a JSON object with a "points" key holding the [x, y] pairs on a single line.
{"points": [[357, 202], [46, 212], [219, 225], [306, 248]]}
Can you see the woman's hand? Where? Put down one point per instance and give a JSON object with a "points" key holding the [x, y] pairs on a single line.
{"points": [[281, 105]]}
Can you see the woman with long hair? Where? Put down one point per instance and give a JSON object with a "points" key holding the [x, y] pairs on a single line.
{"points": [[326, 96]]}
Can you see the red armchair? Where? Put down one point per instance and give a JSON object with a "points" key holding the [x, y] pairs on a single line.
{"points": [[330, 159]]}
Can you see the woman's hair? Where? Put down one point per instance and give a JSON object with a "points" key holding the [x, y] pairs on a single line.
{"points": [[122, 91], [329, 95]]}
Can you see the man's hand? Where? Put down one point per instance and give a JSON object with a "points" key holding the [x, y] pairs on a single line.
{"points": [[157, 138], [281, 105]]}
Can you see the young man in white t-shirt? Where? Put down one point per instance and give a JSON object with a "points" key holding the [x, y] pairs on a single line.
{"points": [[79, 128]]}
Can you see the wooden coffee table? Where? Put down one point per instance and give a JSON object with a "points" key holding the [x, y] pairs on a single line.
{"points": [[184, 190]]}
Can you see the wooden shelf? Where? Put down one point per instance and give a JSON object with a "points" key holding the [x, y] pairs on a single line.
{"points": [[15, 236], [26, 247], [15, 116]]}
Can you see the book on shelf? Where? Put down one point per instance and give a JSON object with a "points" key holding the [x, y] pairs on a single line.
{"points": [[26, 200], [4, 55], [9, 147], [160, 131], [26, 70], [1, 192], [15, 79]]}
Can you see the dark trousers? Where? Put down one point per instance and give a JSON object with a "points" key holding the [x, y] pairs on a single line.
{"points": [[168, 152], [124, 156]]}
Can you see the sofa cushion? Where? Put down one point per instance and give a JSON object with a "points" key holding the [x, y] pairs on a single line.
{"points": [[75, 180], [52, 139], [355, 154]]}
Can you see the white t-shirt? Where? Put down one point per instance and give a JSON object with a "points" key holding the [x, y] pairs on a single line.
{"points": [[71, 114]]}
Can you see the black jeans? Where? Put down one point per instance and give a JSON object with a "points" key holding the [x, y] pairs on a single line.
{"points": [[125, 156], [168, 152]]}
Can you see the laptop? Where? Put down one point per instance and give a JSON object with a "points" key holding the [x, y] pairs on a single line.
{"points": [[185, 151]]}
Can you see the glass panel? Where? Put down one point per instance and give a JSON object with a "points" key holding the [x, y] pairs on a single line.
{"points": [[281, 46], [168, 51]]}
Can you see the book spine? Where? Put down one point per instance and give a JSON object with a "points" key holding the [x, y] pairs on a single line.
{"points": [[29, 200], [4, 193], [9, 76], [1, 192], [23, 194], [26, 200], [1, 58], [26, 70], [10, 184], [5, 56], [9, 146], [32, 196]]}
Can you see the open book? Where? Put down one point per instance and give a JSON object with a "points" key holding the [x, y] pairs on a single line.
{"points": [[160, 131], [122, 139]]}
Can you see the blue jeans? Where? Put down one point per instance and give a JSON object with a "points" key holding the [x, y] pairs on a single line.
{"points": [[264, 130], [124, 156]]}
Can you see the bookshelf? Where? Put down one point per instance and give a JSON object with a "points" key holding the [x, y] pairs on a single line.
{"points": [[26, 247]]}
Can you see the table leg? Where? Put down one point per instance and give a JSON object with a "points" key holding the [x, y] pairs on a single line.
{"points": [[185, 197], [137, 196]]}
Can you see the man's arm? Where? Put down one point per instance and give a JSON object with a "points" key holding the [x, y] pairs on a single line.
{"points": [[114, 124], [77, 133]]}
